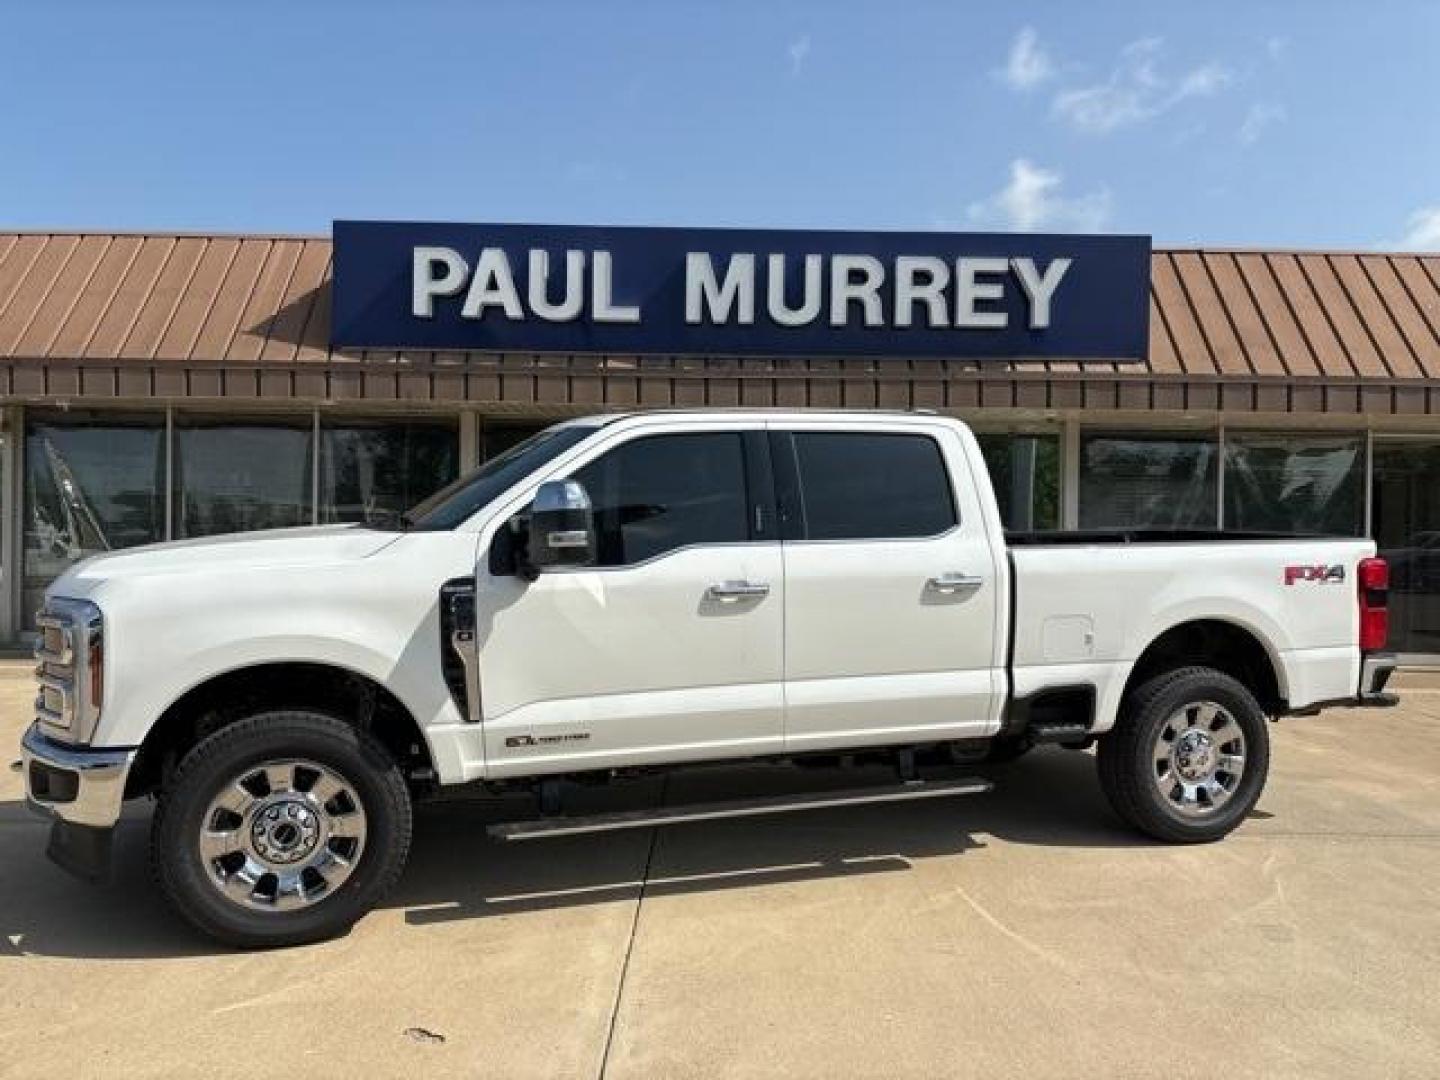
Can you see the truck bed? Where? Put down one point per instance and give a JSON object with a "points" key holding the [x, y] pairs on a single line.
{"points": [[1087, 604]]}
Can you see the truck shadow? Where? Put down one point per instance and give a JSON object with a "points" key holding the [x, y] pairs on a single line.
{"points": [[456, 872]]}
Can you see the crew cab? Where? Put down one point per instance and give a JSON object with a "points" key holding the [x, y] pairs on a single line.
{"points": [[628, 594]]}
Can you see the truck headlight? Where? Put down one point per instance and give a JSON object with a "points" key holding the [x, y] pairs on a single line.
{"points": [[70, 668]]}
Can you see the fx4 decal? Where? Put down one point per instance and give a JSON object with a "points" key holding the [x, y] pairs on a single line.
{"points": [[1322, 574]]}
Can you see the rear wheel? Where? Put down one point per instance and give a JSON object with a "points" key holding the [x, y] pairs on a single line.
{"points": [[280, 829], [1188, 757]]}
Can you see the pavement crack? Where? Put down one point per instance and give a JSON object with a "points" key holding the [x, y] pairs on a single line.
{"points": [[630, 943], [1036, 950]]}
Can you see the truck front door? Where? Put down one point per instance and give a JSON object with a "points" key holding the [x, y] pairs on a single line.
{"points": [[669, 648], [892, 589]]}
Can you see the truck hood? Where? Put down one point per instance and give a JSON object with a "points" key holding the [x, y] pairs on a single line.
{"points": [[318, 545]]}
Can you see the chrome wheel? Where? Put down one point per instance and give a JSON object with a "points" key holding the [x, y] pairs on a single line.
{"points": [[282, 835], [1199, 758]]}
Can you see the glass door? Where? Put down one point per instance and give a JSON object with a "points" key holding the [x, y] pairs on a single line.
{"points": [[8, 597], [1405, 521]]}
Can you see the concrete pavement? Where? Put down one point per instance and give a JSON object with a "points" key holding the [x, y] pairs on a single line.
{"points": [[1019, 934]]}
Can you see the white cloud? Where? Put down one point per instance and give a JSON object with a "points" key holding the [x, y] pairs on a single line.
{"points": [[799, 51], [1422, 230], [1137, 90], [1259, 117], [1203, 81], [1029, 64], [1275, 47], [1033, 200]]}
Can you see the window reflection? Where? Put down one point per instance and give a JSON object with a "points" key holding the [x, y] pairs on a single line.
{"points": [[237, 476], [1025, 472], [93, 483], [1406, 526], [1295, 483], [373, 471], [1148, 481]]}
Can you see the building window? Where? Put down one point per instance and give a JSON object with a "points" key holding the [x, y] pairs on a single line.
{"points": [[1025, 472], [1295, 483], [372, 471], [238, 475], [1405, 521], [1140, 480], [94, 482], [495, 439]]}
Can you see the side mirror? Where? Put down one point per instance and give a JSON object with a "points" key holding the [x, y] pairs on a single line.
{"points": [[562, 527]]}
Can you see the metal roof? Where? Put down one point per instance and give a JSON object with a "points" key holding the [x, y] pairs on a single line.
{"points": [[1277, 322]]}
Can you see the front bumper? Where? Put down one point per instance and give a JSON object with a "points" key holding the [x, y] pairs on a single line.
{"points": [[81, 791], [74, 783]]}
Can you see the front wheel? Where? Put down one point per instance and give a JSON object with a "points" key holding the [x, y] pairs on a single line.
{"points": [[1188, 757], [280, 829]]}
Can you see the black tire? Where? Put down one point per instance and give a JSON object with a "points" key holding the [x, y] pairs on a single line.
{"points": [[1127, 755], [185, 877]]}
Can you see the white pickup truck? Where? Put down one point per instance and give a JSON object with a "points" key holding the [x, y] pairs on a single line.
{"points": [[627, 594]]}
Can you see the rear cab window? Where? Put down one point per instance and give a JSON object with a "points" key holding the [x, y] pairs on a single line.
{"points": [[856, 485]]}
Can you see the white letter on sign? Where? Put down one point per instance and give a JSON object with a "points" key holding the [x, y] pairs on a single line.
{"points": [[492, 286], [702, 290], [969, 292], [602, 288], [934, 277], [425, 285], [1040, 288], [809, 308], [569, 308], [865, 291]]}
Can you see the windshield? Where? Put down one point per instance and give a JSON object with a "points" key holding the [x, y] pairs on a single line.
{"points": [[456, 502]]}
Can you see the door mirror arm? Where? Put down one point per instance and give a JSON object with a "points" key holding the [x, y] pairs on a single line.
{"points": [[507, 548], [524, 569]]}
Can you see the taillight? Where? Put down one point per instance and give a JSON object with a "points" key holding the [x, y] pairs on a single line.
{"points": [[1374, 576]]}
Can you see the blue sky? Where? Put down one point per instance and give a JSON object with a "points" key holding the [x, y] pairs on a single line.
{"points": [[1311, 125]]}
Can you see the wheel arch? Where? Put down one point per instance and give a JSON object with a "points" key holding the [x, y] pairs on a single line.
{"points": [[222, 698], [1225, 644]]}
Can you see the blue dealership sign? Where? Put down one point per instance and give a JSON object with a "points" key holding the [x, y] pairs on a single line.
{"points": [[739, 292]]}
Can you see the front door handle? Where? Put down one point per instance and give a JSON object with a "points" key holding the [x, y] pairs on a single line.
{"points": [[953, 583], [727, 592]]}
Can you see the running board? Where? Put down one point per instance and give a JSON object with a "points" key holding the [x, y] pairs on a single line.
{"points": [[680, 815], [1059, 733]]}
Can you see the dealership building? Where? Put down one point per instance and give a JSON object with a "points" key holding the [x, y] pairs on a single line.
{"points": [[170, 386]]}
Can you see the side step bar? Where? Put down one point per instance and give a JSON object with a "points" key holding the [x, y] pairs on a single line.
{"points": [[1059, 733], [680, 815]]}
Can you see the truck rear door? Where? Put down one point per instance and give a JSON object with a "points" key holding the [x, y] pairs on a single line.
{"points": [[892, 586]]}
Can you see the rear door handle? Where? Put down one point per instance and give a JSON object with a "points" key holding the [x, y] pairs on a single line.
{"points": [[730, 591], [953, 583]]}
